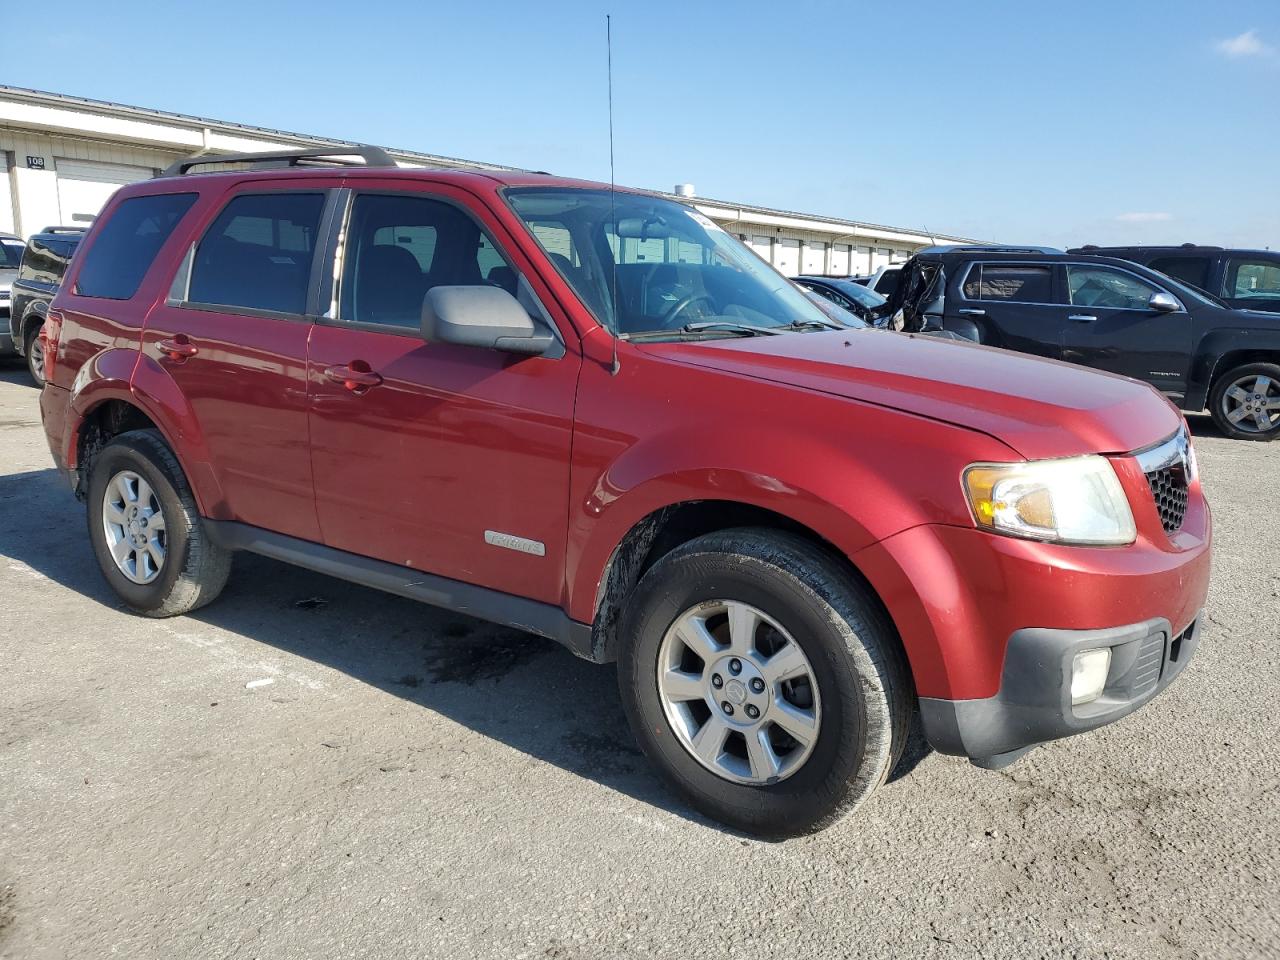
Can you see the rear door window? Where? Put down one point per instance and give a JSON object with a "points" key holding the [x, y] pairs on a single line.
{"points": [[257, 253], [1106, 287], [1252, 280], [1010, 282], [45, 261], [1192, 270], [127, 244]]}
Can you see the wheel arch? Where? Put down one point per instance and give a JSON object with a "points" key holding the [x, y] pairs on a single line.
{"points": [[1224, 350]]}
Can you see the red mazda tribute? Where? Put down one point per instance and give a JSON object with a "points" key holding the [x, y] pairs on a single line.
{"points": [[597, 417]]}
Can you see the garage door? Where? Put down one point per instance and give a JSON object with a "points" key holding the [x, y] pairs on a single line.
{"points": [[763, 246], [85, 185], [7, 218], [840, 259], [786, 257], [814, 258]]}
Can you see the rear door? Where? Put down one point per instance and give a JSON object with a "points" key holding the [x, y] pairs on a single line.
{"points": [[233, 337], [1112, 327], [1017, 306], [448, 459]]}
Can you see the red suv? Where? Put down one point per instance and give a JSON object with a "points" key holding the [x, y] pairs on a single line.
{"points": [[597, 417]]}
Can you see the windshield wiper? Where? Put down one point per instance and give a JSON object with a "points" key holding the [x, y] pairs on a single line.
{"points": [[814, 325], [707, 326]]}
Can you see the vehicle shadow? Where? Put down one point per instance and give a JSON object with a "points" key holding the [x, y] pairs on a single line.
{"points": [[521, 690], [1202, 425], [14, 370]]}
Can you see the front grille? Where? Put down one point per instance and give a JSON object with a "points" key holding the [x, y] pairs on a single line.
{"points": [[1169, 490]]}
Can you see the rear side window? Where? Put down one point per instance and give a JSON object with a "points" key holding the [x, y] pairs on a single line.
{"points": [[45, 261], [1020, 283], [257, 253], [127, 244], [1104, 287], [1248, 279]]}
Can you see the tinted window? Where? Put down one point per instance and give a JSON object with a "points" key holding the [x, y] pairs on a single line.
{"points": [[45, 261], [10, 253], [257, 253], [1192, 270], [1009, 281], [1252, 279], [401, 247], [1104, 287], [128, 242]]}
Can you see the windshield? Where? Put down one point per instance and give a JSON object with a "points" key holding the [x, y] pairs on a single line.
{"points": [[863, 295], [10, 254], [674, 267]]}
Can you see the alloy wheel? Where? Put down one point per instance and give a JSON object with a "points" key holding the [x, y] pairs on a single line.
{"points": [[1252, 404], [35, 359], [133, 522], [739, 692]]}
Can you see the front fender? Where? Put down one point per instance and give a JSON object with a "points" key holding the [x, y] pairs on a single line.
{"points": [[1215, 345], [852, 484]]}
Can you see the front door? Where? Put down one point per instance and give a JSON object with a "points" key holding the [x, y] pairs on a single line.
{"points": [[447, 459], [1012, 305], [1111, 326], [234, 340]]}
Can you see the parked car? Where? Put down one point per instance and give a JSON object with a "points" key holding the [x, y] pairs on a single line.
{"points": [[10, 257], [1246, 279], [1110, 314], [883, 281], [856, 298], [43, 264], [596, 416]]}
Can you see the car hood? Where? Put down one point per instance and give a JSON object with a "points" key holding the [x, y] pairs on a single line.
{"points": [[1041, 408]]}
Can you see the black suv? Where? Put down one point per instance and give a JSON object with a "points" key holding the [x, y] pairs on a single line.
{"points": [[40, 274], [1247, 279], [1106, 313]]}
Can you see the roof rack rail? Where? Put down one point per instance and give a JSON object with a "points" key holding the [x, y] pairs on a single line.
{"points": [[372, 156], [64, 229], [986, 248]]}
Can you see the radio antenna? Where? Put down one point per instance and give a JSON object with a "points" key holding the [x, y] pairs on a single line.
{"points": [[613, 210]]}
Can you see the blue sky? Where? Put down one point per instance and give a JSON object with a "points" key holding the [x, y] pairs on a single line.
{"points": [[1047, 123]]}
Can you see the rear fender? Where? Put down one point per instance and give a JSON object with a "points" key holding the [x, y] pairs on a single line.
{"points": [[1216, 345]]}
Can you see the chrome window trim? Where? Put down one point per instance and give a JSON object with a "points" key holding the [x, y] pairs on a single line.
{"points": [[1182, 307], [1007, 263]]}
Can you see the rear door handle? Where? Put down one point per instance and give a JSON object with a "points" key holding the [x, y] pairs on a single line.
{"points": [[177, 348], [355, 376], [971, 312], [1082, 317]]}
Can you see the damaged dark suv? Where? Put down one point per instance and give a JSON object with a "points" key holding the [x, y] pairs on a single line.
{"points": [[1106, 313]]}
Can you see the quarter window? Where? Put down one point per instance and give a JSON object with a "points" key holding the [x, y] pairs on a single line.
{"points": [[1192, 270], [257, 254], [1104, 287], [400, 247], [1021, 283], [127, 244], [1253, 280]]}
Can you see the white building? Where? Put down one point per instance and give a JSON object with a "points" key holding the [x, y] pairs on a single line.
{"points": [[61, 157]]}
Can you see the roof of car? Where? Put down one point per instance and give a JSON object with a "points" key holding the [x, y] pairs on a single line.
{"points": [[989, 255]]}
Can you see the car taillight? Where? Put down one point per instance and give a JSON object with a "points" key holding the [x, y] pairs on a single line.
{"points": [[50, 331]]}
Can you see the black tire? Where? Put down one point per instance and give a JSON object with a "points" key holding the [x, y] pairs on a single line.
{"points": [[34, 354], [195, 569], [863, 681], [1220, 404]]}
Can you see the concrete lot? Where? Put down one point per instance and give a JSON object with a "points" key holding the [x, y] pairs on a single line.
{"points": [[311, 769]]}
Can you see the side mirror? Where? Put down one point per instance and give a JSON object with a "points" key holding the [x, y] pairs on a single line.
{"points": [[1163, 303], [481, 316]]}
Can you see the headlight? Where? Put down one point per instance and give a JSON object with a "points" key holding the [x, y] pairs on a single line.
{"points": [[1079, 500]]}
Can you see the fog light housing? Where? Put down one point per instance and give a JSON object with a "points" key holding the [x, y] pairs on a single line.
{"points": [[1089, 675]]}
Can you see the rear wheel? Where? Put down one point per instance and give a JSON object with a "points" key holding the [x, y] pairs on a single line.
{"points": [[145, 529], [33, 347], [1245, 402], [763, 681]]}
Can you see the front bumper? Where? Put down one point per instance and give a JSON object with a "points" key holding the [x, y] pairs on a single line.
{"points": [[1033, 704]]}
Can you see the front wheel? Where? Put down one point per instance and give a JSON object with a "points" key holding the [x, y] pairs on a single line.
{"points": [[763, 680], [1245, 402]]}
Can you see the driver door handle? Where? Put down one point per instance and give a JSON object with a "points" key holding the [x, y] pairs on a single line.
{"points": [[971, 312], [355, 378], [1082, 317]]}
